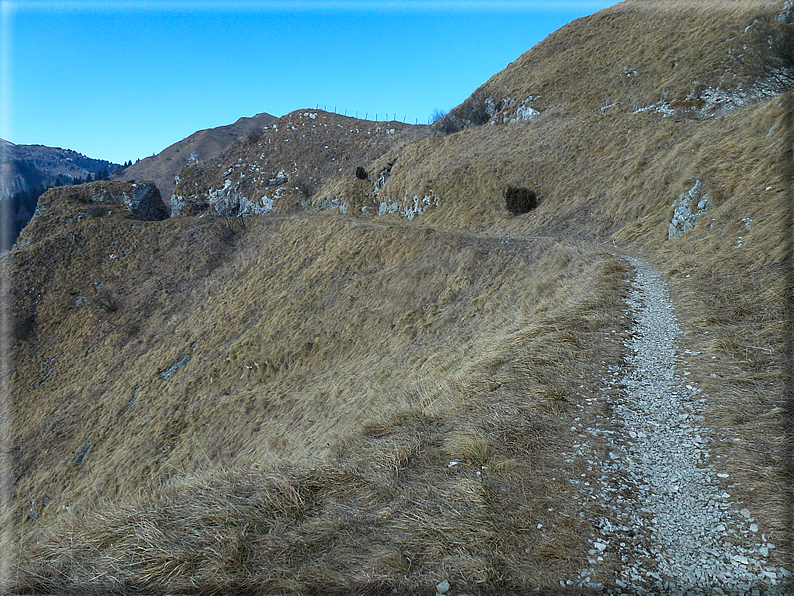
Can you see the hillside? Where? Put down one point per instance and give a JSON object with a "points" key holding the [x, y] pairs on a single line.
{"points": [[378, 383], [23, 167], [308, 157], [202, 145], [26, 171]]}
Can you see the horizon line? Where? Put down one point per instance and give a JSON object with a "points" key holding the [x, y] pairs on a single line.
{"points": [[398, 6]]}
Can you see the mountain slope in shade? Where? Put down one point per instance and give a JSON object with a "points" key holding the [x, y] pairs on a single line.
{"points": [[23, 167], [163, 168]]}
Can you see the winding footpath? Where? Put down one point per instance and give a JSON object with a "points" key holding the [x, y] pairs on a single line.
{"points": [[670, 527]]}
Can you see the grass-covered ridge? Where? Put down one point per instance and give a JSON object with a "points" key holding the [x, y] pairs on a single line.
{"points": [[349, 359], [275, 407]]}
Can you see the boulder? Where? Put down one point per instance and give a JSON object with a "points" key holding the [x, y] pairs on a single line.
{"points": [[145, 202], [142, 199]]}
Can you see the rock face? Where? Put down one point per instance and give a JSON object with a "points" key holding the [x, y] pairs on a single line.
{"points": [[522, 112], [384, 176], [142, 199], [305, 158], [685, 217], [187, 205], [60, 208], [146, 202]]}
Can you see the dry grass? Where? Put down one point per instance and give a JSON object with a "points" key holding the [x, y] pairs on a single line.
{"points": [[334, 366], [614, 175], [672, 46], [315, 149], [346, 355]]}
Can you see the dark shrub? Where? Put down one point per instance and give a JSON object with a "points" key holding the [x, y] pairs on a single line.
{"points": [[227, 228], [106, 300], [255, 135], [22, 328], [97, 211], [305, 184], [520, 200], [361, 173]]}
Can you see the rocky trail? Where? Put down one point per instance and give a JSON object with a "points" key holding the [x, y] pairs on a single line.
{"points": [[667, 524]]}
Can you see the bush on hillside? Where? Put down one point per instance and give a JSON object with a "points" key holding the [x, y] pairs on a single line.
{"points": [[437, 115], [227, 228], [361, 173], [22, 327], [520, 200], [305, 184], [475, 111], [106, 300], [97, 211], [255, 135]]}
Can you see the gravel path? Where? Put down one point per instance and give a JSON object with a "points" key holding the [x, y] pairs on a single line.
{"points": [[670, 528]]}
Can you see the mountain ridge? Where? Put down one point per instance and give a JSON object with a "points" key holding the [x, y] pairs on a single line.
{"points": [[202, 145], [44, 166], [384, 382]]}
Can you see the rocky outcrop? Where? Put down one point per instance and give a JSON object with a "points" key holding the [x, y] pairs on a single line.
{"points": [[61, 207], [146, 202], [522, 112], [384, 176], [225, 202], [142, 199], [190, 205], [691, 206], [303, 159]]}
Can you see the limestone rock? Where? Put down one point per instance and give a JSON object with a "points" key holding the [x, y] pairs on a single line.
{"points": [[690, 207], [227, 202], [145, 202], [190, 205], [384, 176], [142, 199], [522, 112]]}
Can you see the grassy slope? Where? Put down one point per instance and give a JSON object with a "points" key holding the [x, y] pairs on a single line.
{"points": [[318, 151], [615, 175], [308, 330], [340, 363]]}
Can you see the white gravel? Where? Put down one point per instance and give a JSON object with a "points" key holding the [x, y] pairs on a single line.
{"points": [[671, 528]]}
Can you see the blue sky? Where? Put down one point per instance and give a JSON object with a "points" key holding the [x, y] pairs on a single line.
{"points": [[121, 80]]}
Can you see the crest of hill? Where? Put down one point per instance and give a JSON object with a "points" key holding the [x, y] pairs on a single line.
{"points": [[294, 162], [205, 144], [629, 56], [595, 119]]}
